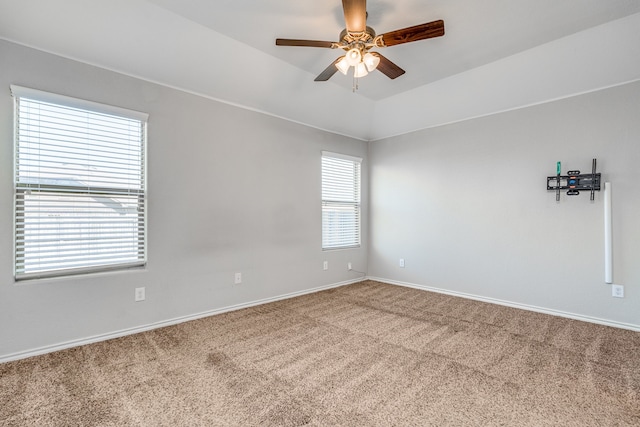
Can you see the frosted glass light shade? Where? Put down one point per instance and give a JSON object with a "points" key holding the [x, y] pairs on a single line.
{"points": [[354, 57], [343, 65], [371, 61], [361, 70]]}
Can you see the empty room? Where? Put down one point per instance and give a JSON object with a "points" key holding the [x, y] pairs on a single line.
{"points": [[287, 213]]}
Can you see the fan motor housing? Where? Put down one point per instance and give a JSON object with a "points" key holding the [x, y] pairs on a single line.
{"points": [[367, 36]]}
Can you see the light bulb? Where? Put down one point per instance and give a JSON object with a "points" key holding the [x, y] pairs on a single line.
{"points": [[360, 71], [343, 65], [353, 57], [371, 61]]}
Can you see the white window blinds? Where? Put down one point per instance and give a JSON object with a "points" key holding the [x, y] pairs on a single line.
{"points": [[79, 185], [340, 201]]}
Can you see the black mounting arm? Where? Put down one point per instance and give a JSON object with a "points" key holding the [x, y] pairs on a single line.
{"points": [[573, 182]]}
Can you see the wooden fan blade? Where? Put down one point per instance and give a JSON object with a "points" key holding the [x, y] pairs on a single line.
{"points": [[328, 72], [355, 15], [304, 43], [388, 68], [415, 33]]}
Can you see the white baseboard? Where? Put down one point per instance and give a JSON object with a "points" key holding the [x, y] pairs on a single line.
{"points": [[177, 320], [169, 322], [528, 307]]}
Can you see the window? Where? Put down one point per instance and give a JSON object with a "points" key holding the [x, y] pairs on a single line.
{"points": [[79, 185], [340, 201]]}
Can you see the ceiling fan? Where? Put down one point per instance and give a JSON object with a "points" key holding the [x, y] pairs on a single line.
{"points": [[357, 40]]}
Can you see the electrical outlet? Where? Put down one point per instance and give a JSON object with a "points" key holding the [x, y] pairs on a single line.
{"points": [[139, 294], [349, 266], [401, 263], [325, 265], [617, 291], [238, 278]]}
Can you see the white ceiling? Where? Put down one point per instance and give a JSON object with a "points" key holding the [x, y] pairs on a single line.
{"points": [[225, 50], [476, 32]]}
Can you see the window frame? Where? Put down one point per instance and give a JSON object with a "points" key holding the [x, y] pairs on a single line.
{"points": [[355, 203], [22, 189]]}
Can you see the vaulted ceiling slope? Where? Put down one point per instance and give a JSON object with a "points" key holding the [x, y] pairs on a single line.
{"points": [[496, 55]]}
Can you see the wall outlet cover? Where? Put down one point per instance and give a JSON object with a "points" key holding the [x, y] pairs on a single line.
{"points": [[617, 291], [238, 278], [139, 294]]}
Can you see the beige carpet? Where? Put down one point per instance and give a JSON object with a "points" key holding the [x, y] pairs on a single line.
{"points": [[368, 354]]}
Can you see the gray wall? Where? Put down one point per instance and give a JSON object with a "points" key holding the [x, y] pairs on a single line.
{"points": [[230, 190], [466, 206]]}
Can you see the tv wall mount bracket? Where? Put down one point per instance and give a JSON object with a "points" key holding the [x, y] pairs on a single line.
{"points": [[574, 181]]}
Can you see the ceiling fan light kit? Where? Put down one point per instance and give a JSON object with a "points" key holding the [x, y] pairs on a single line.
{"points": [[354, 57], [371, 61], [357, 40], [360, 70], [343, 65]]}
